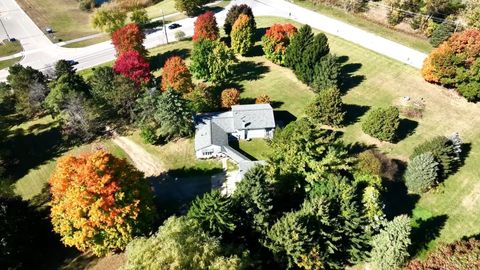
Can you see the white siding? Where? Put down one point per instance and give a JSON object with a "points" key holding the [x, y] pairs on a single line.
{"points": [[256, 133], [209, 152]]}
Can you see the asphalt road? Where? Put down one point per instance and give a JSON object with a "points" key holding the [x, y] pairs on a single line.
{"points": [[41, 54]]}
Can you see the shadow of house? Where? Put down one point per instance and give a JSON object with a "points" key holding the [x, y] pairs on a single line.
{"points": [[424, 231], [158, 61], [353, 113]]}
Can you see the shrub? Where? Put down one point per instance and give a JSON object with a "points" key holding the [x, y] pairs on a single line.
{"points": [[115, 195], [327, 108], [368, 162], [390, 246], [242, 35], [422, 173], [129, 38], [262, 99], [461, 254], [232, 16], [176, 75], [148, 134], [442, 150], [206, 27], [382, 123], [276, 40], [441, 33], [179, 35], [229, 97]]}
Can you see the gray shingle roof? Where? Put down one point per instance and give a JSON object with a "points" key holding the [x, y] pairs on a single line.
{"points": [[255, 116]]}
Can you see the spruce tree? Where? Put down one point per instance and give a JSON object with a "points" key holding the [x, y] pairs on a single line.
{"points": [[326, 73], [327, 108], [312, 54], [173, 116], [422, 173], [299, 42]]}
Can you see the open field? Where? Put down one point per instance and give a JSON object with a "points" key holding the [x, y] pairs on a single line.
{"points": [[8, 48], [63, 16], [410, 40]]}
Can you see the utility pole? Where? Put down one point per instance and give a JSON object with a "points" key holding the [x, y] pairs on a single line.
{"points": [[4, 29], [164, 26]]}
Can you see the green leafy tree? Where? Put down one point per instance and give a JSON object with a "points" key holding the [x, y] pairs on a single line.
{"points": [[326, 73], [173, 116], [179, 244], [29, 89], [190, 7], [108, 18], [213, 212], [473, 13], [139, 16], [327, 108], [422, 173], [253, 198], [299, 42], [442, 150], [232, 15], [382, 123], [212, 61], [390, 246], [202, 99], [242, 35]]}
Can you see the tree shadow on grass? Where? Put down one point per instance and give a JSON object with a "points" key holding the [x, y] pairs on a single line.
{"points": [[397, 199], [249, 71], [353, 113], [406, 128], [176, 189], [283, 118], [424, 231], [348, 78], [158, 61]]}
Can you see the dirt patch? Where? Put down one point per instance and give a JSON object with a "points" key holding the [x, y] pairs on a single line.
{"points": [[111, 262], [472, 200], [142, 160]]}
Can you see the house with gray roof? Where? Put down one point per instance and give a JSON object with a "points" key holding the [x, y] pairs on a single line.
{"points": [[243, 122]]}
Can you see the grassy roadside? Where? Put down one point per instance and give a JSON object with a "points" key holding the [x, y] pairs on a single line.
{"points": [[8, 48], [10, 62], [88, 42], [364, 23]]}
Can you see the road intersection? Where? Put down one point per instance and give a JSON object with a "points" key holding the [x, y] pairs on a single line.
{"points": [[41, 53]]}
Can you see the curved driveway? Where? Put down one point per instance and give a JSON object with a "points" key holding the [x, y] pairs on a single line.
{"points": [[42, 54]]}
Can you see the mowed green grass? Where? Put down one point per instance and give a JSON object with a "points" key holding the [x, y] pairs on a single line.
{"points": [[8, 48], [363, 22], [32, 183], [9, 62], [63, 16]]}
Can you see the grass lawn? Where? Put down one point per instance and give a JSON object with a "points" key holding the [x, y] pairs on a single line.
{"points": [[168, 7], [256, 149], [63, 16], [88, 42], [8, 48], [10, 62], [364, 23]]}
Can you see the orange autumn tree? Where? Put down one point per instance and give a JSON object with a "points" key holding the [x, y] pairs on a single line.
{"points": [[206, 27], [176, 75], [276, 40], [99, 202], [229, 97], [129, 38]]}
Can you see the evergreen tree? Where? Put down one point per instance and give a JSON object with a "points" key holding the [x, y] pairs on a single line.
{"points": [[253, 198], [295, 51], [326, 73], [422, 173], [312, 54], [327, 108], [242, 35], [442, 150], [441, 33], [457, 144], [382, 123], [390, 246], [213, 212], [173, 116]]}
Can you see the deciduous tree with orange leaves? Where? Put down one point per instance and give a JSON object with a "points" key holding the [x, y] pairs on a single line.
{"points": [[229, 97], [276, 40], [129, 38], [456, 63], [176, 75], [134, 66], [99, 202], [206, 27]]}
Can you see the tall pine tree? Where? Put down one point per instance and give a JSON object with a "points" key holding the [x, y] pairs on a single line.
{"points": [[173, 115], [299, 42]]}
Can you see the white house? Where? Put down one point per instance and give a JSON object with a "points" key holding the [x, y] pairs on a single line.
{"points": [[243, 122]]}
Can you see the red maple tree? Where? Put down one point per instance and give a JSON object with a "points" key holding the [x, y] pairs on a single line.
{"points": [[134, 66], [176, 75], [129, 38], [206, 27]]}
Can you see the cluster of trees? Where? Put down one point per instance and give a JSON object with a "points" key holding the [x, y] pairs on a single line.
{"points": [[114, 15], [456, 63], [433, 161]]}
